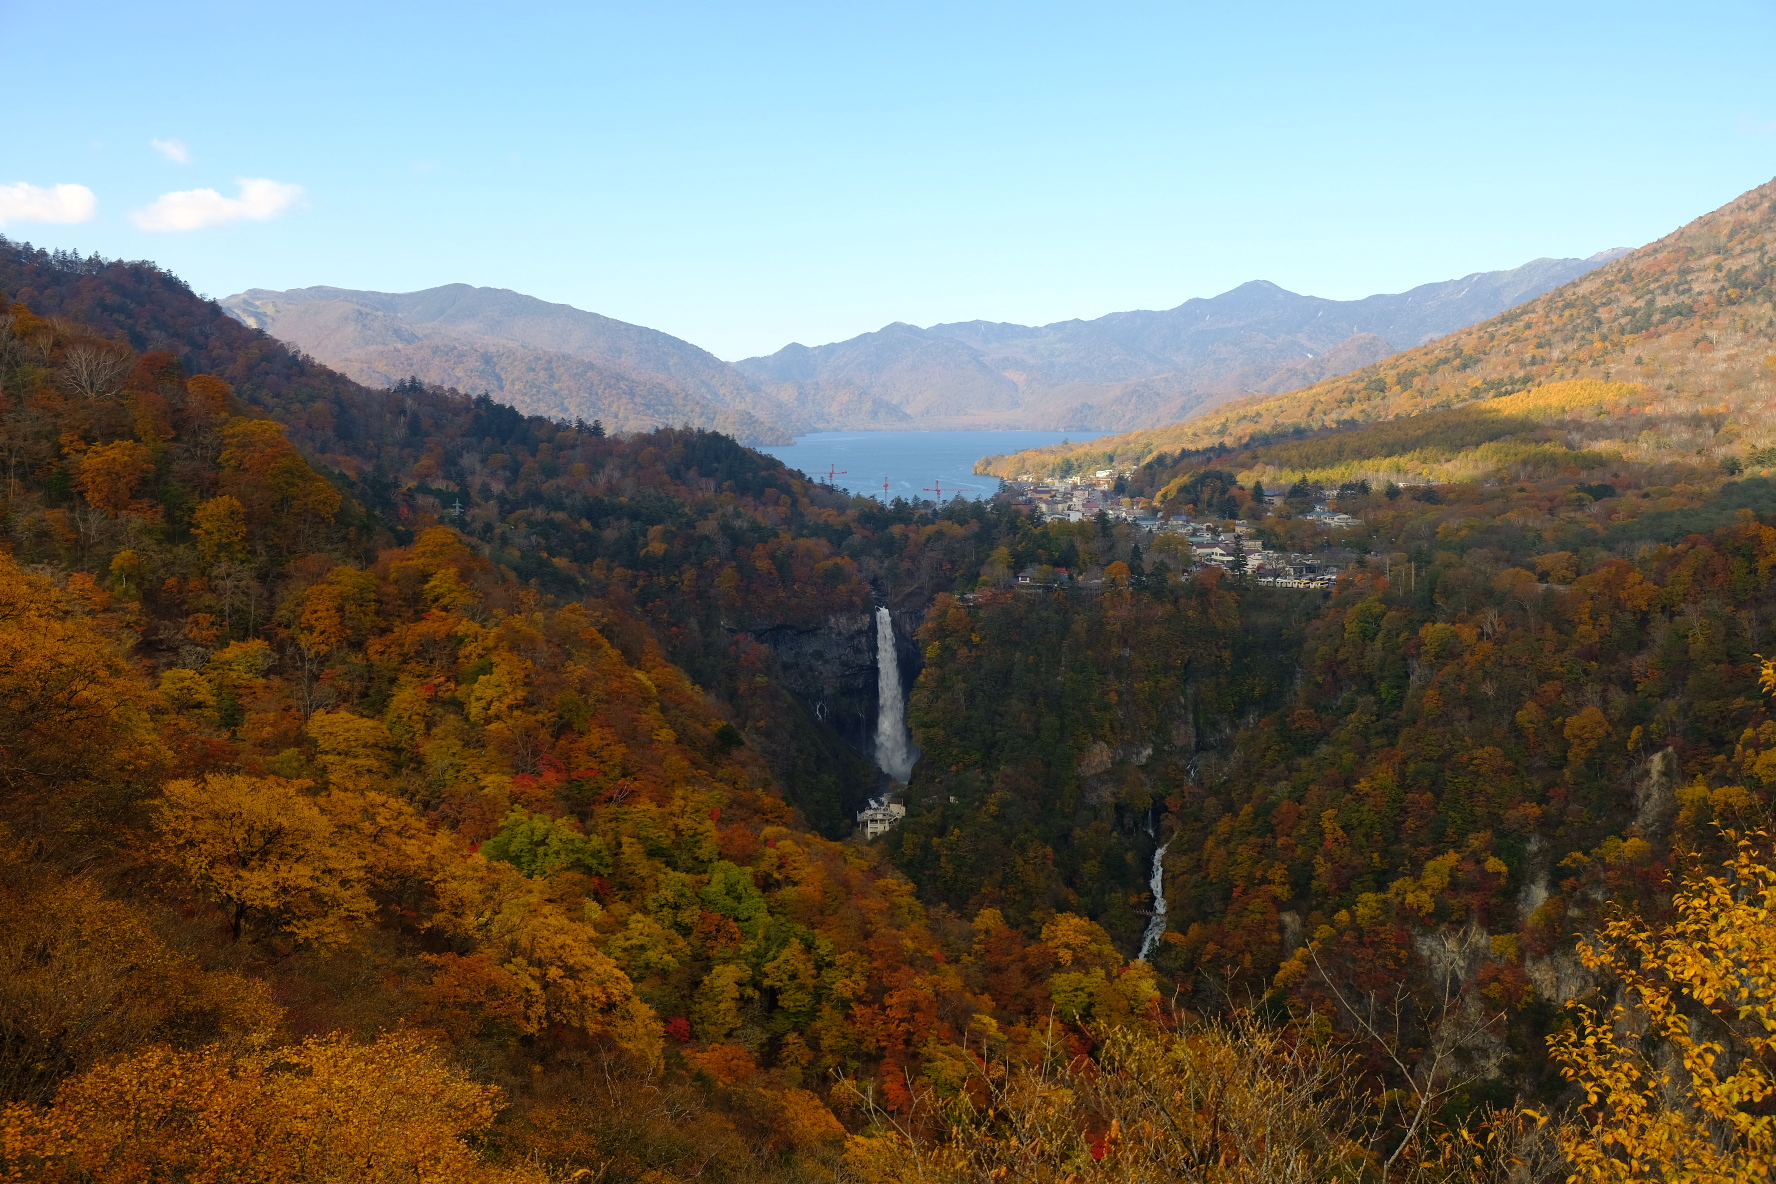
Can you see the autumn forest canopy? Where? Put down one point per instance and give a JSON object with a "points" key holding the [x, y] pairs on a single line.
{"points": [[394, 786]]}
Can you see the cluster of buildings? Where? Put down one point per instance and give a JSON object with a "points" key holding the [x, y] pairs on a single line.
{"points": [[1072, 500], [1283, 569], [1083, 498]]}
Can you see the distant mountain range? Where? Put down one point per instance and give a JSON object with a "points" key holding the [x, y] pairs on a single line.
{"points": [[1119, 372], [1130, 369], [542, 358]]}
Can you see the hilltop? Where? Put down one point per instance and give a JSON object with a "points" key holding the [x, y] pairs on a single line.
{"points": [[542, 358], [1128, 369], [1688, 321]]}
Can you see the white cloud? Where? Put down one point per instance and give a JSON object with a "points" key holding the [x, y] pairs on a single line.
{"points": [[173, 150], [56, 203], [194, 209]]}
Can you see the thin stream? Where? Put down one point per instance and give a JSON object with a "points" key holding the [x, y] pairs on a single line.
{"points": [[1156, 927]]}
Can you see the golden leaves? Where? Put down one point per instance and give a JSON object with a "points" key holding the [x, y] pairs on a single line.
{"points": [[70, 708], [353, 750], [261, 847], [82, 975], [1703, 986], [220, 525], [327, 1109], [550, 969], [264, 471]]}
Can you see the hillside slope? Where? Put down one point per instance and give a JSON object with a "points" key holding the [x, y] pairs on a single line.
{"points": [[487, 805], [543, 358], [525, 781], [1128, 369], [1691, 317]]}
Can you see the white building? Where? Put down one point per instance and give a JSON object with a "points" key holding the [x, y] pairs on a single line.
{"points": [[1333, 520], [879, 817]]}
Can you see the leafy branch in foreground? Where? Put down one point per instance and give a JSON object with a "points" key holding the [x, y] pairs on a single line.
{"points": [[1677, 1076]]}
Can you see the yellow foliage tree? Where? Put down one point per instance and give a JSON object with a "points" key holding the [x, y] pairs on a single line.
{"points": [[188, 692], [1678, 1077], [536, 964], [388, 834], [719, 1000], [210, 398], [263, 469], [353, 750], [263, 848], [71, 709], [220, 525], [83, 976], [328, 1109], [1216, 1104]]}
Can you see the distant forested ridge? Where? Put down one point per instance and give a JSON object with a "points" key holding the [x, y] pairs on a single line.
{"points": [[1689, 318]]}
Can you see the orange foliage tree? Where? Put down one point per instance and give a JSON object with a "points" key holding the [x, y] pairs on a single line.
{"points": [[110, 473]]}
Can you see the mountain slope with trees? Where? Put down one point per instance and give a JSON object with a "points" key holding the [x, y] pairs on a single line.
{"points": [[1691, 318], [311, 799]]}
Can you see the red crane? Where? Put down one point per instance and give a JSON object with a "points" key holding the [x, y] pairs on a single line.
{"points": [[938, 490], [884, 489], [834, 471]]}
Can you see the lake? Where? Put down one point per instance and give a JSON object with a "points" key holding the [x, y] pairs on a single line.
{"points": [[913, 464]]}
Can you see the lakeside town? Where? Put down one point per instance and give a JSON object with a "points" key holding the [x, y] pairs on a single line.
{"points": [[1192, 542]]}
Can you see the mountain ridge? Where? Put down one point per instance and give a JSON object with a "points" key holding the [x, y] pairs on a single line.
{"points": [[544, 358], [1133, 368]]}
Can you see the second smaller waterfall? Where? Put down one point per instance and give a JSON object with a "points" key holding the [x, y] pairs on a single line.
{"points": [[1156, 927], [894, 749]]}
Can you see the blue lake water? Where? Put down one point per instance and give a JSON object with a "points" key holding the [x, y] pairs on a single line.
{"points": [[914, 464]]}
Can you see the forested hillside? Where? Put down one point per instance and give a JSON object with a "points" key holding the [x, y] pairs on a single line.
{"points": [[354, 772], [394, 786], [1689, 319]]}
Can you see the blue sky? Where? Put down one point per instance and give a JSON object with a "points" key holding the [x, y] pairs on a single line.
{"points": [[747, 175]]}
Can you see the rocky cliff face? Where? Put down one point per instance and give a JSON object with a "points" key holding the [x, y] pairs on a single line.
{"points": [[832, 669]]}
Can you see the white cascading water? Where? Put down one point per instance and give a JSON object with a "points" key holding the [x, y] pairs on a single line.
{"points": [[1156, 927], [894, 753]]}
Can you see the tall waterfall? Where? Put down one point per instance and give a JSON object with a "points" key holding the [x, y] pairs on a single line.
{"points": [[894, 754], [1156, 927]]}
